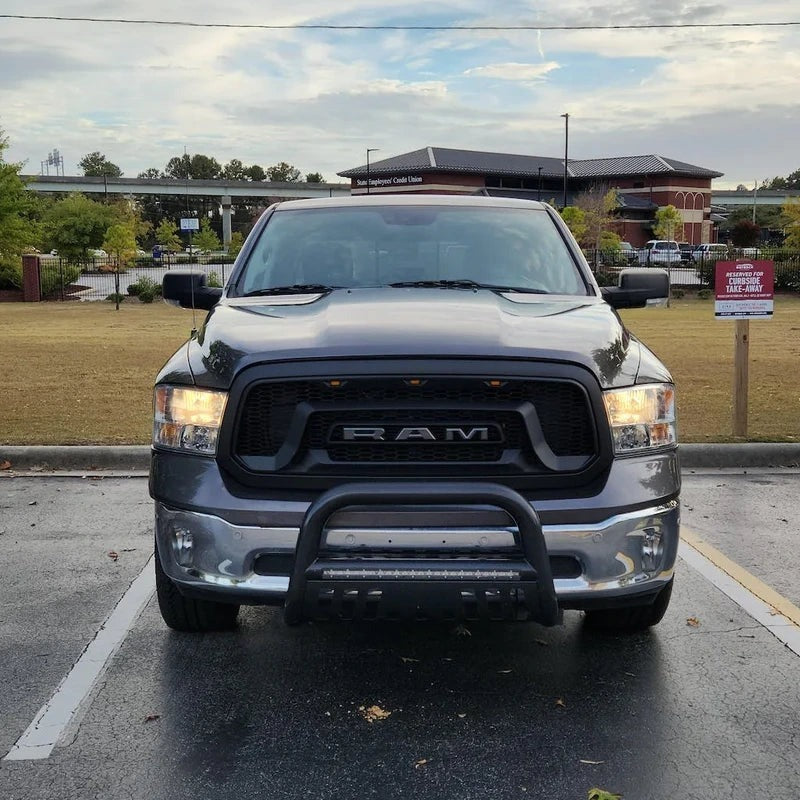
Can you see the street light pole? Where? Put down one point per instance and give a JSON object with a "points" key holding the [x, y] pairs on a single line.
{"points": [[755, 193], [566, 154], [370, 150]]}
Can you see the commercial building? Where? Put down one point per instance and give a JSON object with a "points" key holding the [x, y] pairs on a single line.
{"points": [[643, 183]]}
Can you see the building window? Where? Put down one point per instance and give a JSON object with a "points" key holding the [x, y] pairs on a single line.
{"points": [[493, 181], [638, 184]]}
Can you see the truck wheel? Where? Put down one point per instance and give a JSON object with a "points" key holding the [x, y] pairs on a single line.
{"points": [[186, 614], [630, 619]]}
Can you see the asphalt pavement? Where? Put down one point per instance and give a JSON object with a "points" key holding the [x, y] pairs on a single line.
{"points": [[703, 706]]}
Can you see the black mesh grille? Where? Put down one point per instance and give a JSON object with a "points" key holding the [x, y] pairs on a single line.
{"points": [[562, 408]]}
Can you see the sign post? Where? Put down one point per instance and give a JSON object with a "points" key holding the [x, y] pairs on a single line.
{"points": [[190, 224], [744, 291]]}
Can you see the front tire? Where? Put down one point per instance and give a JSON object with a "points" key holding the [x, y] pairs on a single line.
{"points": [[187, 614], [631, 619]]}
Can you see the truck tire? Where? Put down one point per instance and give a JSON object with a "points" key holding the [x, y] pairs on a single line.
{"points": [[630, 619], [187, 614]]}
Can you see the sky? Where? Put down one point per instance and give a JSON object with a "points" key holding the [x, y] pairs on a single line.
{"points": [[725, 99]]}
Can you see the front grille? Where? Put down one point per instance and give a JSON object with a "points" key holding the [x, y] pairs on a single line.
{"points": [[320, 424], [269, 408]]}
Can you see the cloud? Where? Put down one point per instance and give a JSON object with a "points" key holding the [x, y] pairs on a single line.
{"points": [[725, 99], [513, 71]]}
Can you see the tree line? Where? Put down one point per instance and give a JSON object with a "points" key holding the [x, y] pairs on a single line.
{"points": [[200, 167]]}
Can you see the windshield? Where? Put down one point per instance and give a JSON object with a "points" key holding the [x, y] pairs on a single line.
{"points": [[444, 246]]}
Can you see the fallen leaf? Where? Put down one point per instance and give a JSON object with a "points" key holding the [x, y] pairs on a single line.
{"points": [[407, 660], [5, 465], [631, 674], [693, 622], [587, 761], [327, 713], [461, 716], [113, 555], [152, 717], [373, 713], [602, 794], [560, 702], [462, 630], [421, 763], [32, 503], [504, 671], [541, 642]]}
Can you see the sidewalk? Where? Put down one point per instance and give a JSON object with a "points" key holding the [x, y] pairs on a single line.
{"points": [[136, 458]]}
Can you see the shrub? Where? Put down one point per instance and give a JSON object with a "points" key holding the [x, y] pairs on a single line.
{"points": [[213, 281], [115, 297], [606, 278], [10, 274], [704, 294], [677, 294], [147, 295], [53, 275], [145, 285]]}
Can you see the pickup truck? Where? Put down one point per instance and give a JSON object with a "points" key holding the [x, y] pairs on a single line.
{"points": [[414, 408]]}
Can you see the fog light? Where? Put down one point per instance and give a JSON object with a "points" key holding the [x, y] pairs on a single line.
{"points": [[652, 549], [183, 546]]}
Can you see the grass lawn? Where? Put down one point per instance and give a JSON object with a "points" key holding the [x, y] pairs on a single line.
{"points": [[80, 373]]}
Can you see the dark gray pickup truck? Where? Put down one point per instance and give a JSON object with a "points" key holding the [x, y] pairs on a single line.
{"points": [[414, 408]]}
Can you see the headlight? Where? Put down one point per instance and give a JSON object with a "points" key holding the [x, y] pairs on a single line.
{"points": [[188, 419], [642, 417]]}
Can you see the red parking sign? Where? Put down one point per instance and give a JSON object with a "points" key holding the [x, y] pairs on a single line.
{"points": [[744, 289]]}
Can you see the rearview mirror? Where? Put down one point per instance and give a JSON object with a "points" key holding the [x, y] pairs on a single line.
{"points": [[188, 289], [637, 288]]}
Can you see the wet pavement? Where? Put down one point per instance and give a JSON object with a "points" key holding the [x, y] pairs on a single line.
{"points": [[685, 711]]}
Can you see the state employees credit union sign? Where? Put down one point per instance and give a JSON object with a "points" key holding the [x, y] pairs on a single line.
{"points": [[744, 289]]}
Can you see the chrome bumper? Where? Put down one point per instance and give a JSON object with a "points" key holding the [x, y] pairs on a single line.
{"points": [[624, 555]]}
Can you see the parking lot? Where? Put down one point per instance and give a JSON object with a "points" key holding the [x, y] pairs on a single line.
{"points": [[704, 706]]}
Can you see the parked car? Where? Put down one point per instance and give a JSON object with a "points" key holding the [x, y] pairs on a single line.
{"points": [[97, 253], [686, 251], [658, 252], [347, 386], [709, 251]]}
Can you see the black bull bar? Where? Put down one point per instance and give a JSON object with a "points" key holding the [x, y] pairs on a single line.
{"points": [[477, 587]]}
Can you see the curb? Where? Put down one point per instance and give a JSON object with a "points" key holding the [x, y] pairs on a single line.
{"points": [[136, 458]]}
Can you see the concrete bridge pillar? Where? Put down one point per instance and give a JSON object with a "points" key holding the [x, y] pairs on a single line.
{"points": [[226, 220]]}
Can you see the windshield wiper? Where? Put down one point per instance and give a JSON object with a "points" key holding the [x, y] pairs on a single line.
{"points": [[295, 288], [463, 283]]}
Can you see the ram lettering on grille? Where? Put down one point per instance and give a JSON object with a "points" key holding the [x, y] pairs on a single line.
{"points": [[378, 434]]}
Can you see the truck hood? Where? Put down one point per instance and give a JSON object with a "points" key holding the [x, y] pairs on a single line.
{"points": [[374, 323]]}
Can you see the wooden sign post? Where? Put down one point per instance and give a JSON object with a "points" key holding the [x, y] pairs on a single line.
{"points": [[744, 291]]}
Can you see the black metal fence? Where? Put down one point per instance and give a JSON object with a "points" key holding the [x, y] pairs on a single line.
{"points": [[695, 271], [100, 279]]}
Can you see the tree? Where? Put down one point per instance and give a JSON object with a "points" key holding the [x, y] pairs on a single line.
{"points": [[235, 244], [791, 181], [167, 235], [283, 173], [669, 223], [576, 221], [76, 223], [314, 177], [96, 165], [151, 172], [197, 167], [205, 238], [256, 173], [234, 170], [598, 209], [17, 230], [745, 233], [791, 216], [120, 243]]}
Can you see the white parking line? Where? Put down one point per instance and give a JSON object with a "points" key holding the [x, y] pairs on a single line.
{"points": [[42, 735], [719, 571]]}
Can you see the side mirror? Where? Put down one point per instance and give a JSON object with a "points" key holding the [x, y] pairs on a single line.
{"points": [[637, 288], [187, 289]]}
